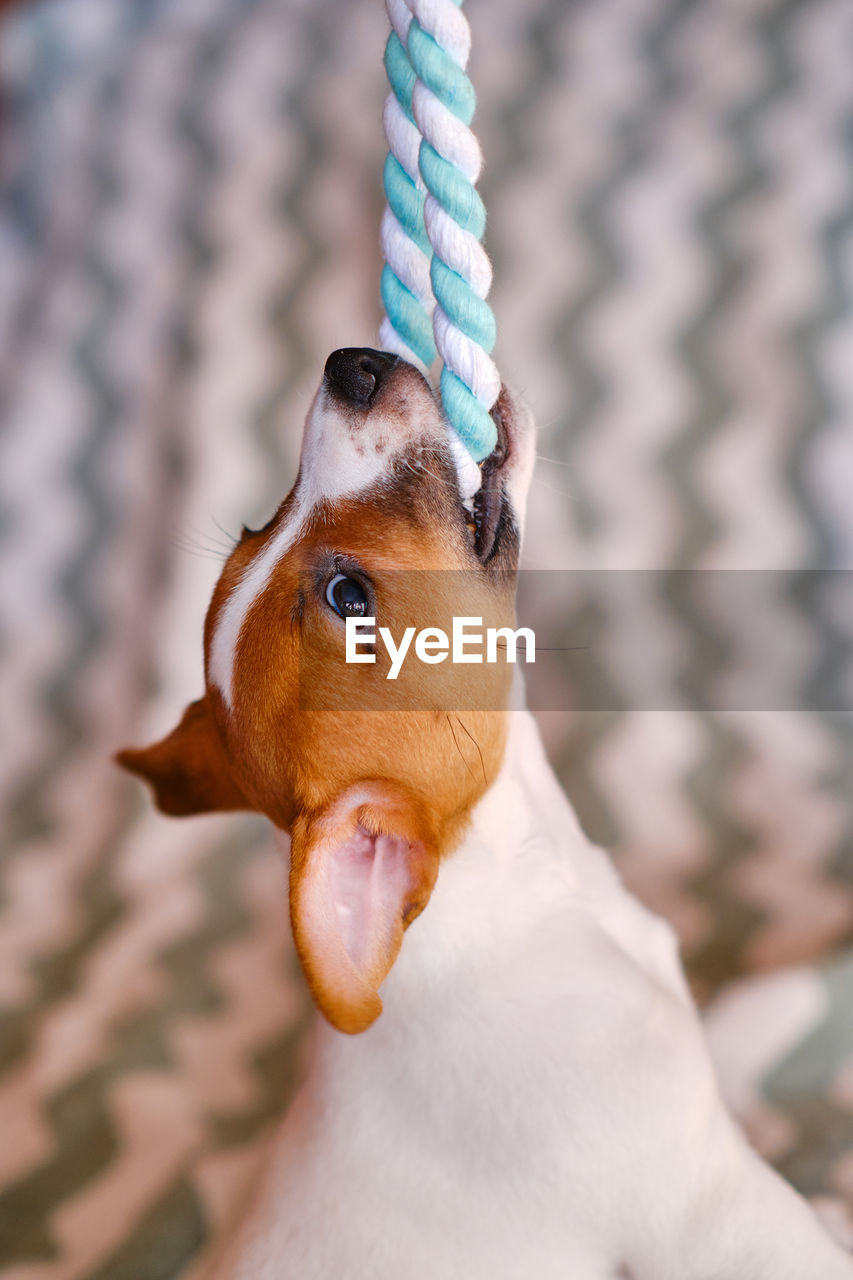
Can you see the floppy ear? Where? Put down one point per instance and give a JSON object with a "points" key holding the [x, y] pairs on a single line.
{"points": [[188, 769], [359, 874]]}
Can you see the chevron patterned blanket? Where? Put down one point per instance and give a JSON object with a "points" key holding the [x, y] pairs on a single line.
{"points": [[189, 206]]}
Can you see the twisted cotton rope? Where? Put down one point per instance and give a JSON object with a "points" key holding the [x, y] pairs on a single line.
{"points": [[436, 268], [406, 285]]}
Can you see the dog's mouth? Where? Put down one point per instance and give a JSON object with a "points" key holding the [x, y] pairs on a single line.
{"points": [[362, 379], [489, 499]]}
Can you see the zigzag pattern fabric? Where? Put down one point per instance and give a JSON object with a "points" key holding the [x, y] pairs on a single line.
{"points": [[189, 224]]}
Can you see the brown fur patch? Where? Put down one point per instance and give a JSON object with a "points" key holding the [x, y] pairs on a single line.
{"points": [[188, 769]]}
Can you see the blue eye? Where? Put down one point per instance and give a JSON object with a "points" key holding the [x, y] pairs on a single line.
{"points": [[347, 597]]}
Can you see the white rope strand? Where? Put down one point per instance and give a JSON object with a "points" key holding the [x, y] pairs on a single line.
{"points": [[454, 245]]}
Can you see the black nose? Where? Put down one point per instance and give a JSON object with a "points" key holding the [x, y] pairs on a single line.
{"points": [[356, 373]]}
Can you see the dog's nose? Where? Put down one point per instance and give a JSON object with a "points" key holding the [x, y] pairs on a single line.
{"points": [[355, 374]]}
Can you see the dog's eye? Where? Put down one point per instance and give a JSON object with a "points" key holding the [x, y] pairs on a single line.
{"points": [[347, 597]]}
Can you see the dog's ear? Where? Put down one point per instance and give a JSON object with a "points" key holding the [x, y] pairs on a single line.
{"points": [[360, 872], [188, 769]]}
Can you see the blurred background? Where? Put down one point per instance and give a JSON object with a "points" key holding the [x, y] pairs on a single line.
{"points": [[191, 199]]}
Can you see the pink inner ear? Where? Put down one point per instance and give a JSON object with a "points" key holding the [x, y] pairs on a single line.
{"points": [[352, 892], [369, 881]]}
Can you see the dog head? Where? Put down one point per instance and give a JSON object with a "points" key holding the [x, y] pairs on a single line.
{"points": [[373, 778]]}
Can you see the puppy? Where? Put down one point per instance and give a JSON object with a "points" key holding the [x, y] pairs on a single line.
{"points": [[522, 1087]]}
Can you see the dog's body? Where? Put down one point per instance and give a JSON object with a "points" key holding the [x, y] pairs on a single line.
{"points": [[537, 1098]]}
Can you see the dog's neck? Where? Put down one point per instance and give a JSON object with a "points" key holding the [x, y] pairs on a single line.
{"points": [[523, 845]]}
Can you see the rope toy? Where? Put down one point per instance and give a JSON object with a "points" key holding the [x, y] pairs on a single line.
{"points": [[437, 274]]}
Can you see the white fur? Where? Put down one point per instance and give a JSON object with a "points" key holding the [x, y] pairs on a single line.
{"points": [[223, 645], [536, 1101]]}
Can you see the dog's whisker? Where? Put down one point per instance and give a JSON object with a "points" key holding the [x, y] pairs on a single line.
{"points": [[232, 541], [201, 553], [218, 553], [559, 420], [552, 488], [205, 537], [418, 465], [457, 746], [461, 722], [198, 543]]}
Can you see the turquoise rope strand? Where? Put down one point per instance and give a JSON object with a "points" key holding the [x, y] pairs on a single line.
{"points": [[456, 194], [406, 313]]}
